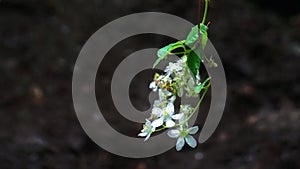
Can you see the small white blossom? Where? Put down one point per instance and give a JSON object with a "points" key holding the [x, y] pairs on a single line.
{"points": [[172, 68], [166, 117], [147, 130], [164, 94], [185, 109], [157, 112], [153, 86], [184, 136]]}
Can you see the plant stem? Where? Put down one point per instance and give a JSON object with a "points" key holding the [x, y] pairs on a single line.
{"points": [[199, 20], [161, 129], [199, 13], [205, 11], [198, 104]]}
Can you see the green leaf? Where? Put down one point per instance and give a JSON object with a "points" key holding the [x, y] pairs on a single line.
{"points": [[162, 54], [193, 62], [165, 51], [201, 86], [193, 35], [204, 38]]}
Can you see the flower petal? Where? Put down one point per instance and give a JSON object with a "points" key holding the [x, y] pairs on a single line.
{"points": [[143, 134], [170, 108], [191, 83], [157, 111], [156, 103], [172, 99], [170, 123], [182, 119], [179, 143], [161, 95], [180, 92], [193, 130], [191, 141], [158, 122], [177, 116], [148, 136], [173, 133], [167, 93], [152, 85]]}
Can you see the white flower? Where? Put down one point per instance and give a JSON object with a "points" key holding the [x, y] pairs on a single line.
{"points": [[184, 136], [173, 67], [166, 117], [157, 112], [153, 86], [164, 95], [186, 109], [180, 61], [147, 130]]}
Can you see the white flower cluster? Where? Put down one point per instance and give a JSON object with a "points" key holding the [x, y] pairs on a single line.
{"points": [[177, 80]]}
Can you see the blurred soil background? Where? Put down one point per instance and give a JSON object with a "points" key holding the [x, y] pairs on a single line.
{"points": [[258, 42]]}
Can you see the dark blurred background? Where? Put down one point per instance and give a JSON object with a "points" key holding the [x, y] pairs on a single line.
{"points": [[258, 42]]}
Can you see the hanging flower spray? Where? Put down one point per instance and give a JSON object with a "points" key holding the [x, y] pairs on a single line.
{"points": [[180, 78]]}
